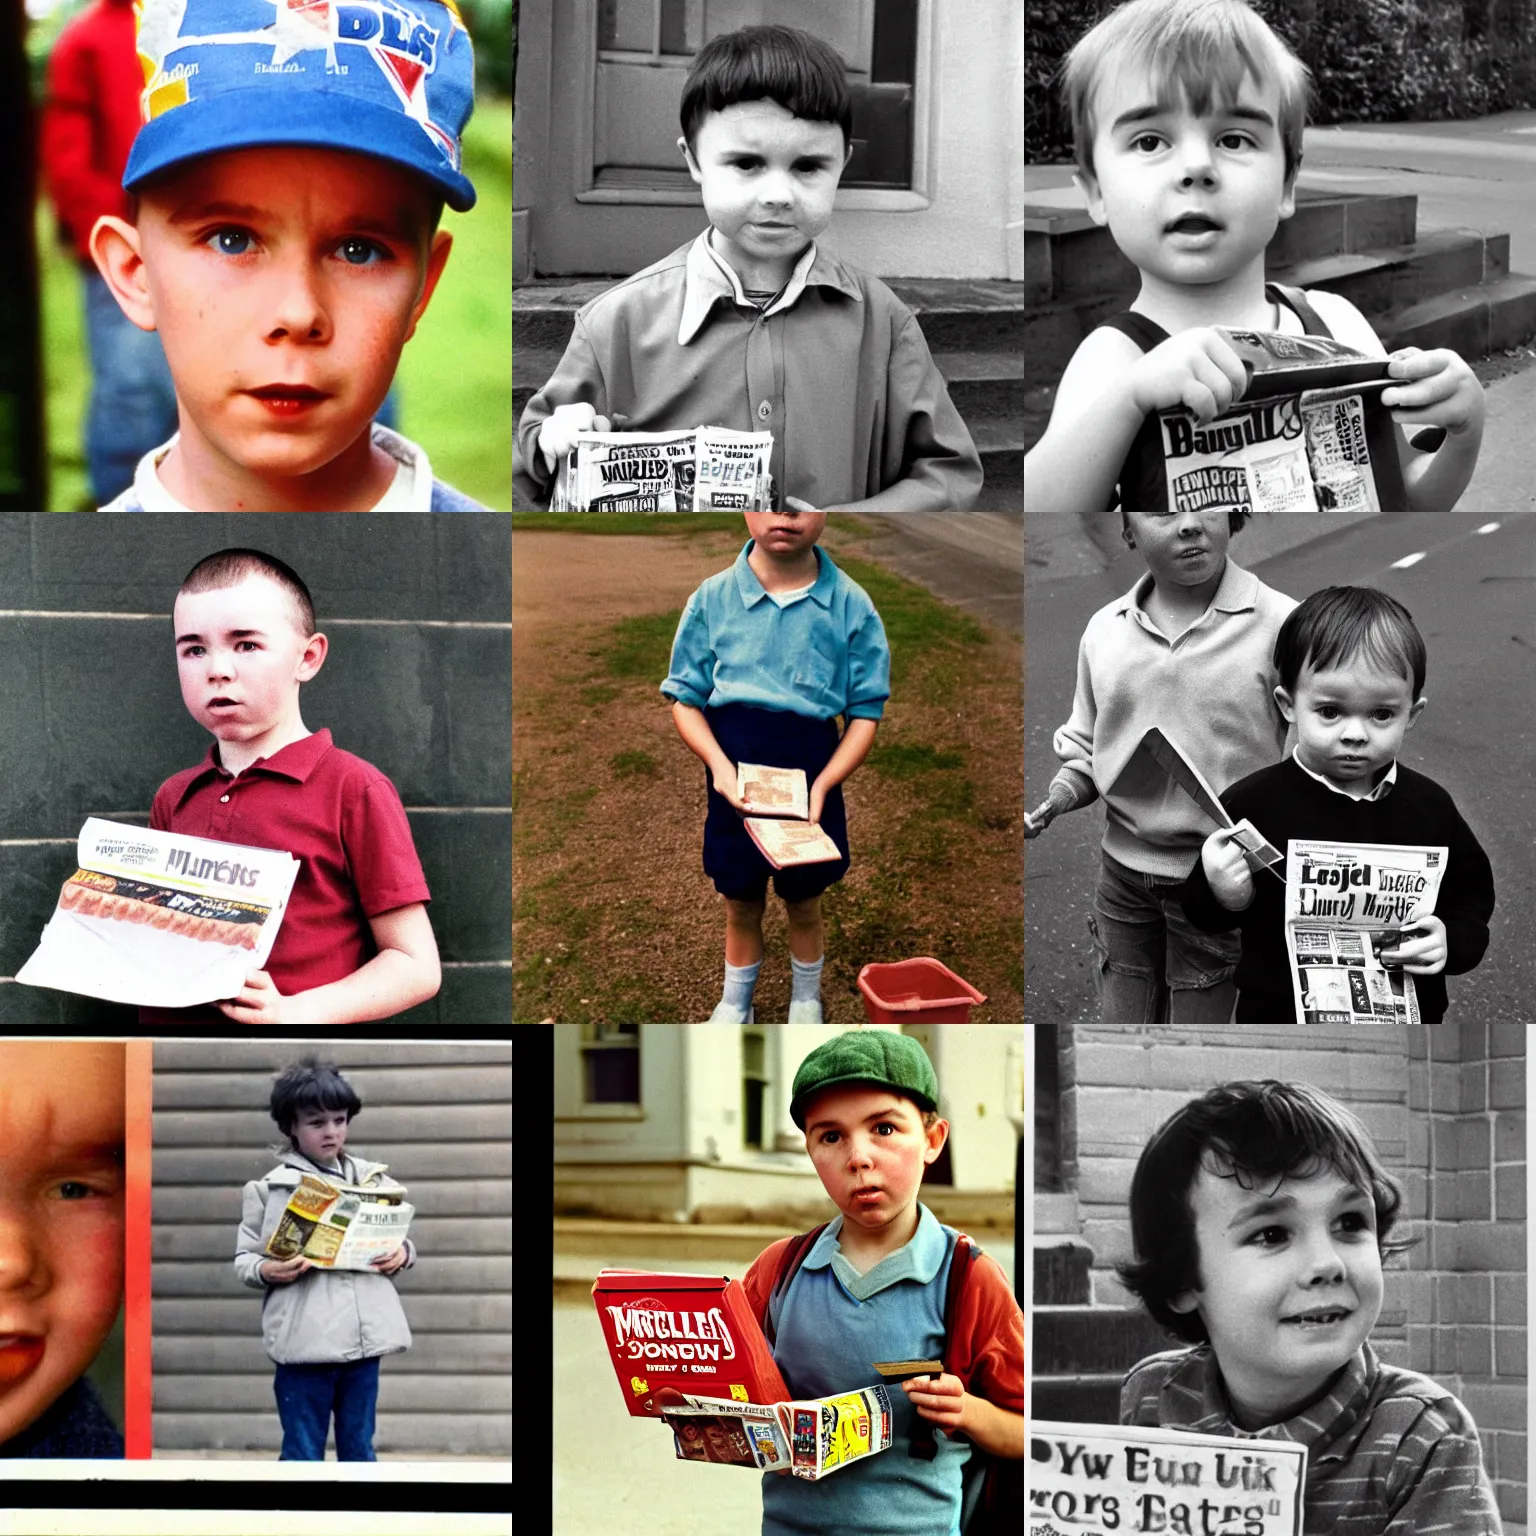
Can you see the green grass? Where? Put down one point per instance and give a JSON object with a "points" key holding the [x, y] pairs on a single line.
{"points": [[640, 647], [455, 376]]}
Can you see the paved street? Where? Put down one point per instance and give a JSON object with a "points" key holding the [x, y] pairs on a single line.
{"points": [[1471, 594]]}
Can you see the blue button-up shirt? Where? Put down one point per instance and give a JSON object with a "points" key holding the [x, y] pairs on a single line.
{"points": [[825, 655]]}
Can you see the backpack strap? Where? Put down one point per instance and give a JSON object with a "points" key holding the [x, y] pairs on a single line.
{"points": [[1144, 332], [1312, 322], [789, 1266]]}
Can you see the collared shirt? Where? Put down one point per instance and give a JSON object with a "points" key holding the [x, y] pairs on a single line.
{"points": [[838, 371], [1389, 1452], [701, 293], [340, 817], [1211, 690], [412, 490], [1384, 785], [823, 656]]}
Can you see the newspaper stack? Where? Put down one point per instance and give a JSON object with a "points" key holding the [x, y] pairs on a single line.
{"points": [[336, 1225], [159, 919], [708, 469]]}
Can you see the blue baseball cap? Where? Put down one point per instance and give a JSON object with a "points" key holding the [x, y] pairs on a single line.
{"points": [[392, 78]]}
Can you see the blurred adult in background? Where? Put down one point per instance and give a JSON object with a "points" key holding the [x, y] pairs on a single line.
{"points": [[90, 117]]}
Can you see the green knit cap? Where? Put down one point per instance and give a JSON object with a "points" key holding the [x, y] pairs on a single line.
{"points": [[873, 1056]]}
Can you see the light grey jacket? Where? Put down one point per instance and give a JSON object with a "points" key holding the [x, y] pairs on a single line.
{"points": [[326, 1316]]}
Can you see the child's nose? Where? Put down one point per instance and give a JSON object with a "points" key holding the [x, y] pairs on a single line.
{"points": [[18, 1252]]}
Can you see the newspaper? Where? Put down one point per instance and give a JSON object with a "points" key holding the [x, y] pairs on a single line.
{"points": [[1344, 904], [788, 843], [1309, 434], [1124, 1480], [809, 1439], [336, 1225], [160, 919], [702, 470]]}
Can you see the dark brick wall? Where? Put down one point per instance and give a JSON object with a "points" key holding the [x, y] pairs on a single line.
{"points": [[418, 681]]}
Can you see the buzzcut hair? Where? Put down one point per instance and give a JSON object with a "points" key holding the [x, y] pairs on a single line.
{"points": [[1257, 1133], [1198, 49], [307, 1085], [1333, 627], [229, 567], [804, 74]]}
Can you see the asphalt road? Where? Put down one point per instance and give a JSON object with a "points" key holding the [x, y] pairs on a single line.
{"points": [[1472, 594]]}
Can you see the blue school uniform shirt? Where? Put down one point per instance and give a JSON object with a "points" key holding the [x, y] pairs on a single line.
{"points": [[833, 1323], [823, 656]]}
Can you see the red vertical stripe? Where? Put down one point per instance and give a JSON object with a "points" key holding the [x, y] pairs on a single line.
{"points": [[137, 1382]]}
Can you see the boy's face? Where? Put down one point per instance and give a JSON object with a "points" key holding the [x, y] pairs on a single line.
{"points": [[1182, 549], [284, 282], [768, 179], [321, 1134], [870, 1148], [241, 657], [1350, 720], [785, 534], [1290, 1284], [61, 1217], [1225, 171]]}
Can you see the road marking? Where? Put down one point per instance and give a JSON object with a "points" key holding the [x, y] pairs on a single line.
{"points": [[1493, 527], [1407, 560]]}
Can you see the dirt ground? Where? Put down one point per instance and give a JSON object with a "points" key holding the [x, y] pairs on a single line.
{"points": [[614, 918]]}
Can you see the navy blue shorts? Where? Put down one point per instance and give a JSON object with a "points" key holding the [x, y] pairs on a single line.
{"points": [[774, 739]]}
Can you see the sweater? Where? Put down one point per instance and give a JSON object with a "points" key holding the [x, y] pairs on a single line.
{"points": [[75, 1425], [1211, 691], [1285, 802]]}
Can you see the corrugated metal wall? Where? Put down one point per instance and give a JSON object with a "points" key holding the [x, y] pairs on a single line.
{"points": [[441, 1117]]}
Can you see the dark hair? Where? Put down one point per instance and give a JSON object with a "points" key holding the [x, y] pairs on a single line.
{"points": [[1235, 520], [796, 69], [229, 567], [309, 1084], [1258, 1134], [1339, 623]]}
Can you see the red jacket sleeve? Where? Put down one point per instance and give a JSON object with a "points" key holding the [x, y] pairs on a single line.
{"points": [[986, 1345]]}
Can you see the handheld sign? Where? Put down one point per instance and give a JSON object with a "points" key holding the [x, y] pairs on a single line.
{"points": [[1122, 1480]]}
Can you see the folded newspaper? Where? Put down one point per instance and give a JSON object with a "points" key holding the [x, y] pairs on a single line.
{"points": [[1344, 904], [707, 469], [688, 1348], [160, 919], [336, 1225]]}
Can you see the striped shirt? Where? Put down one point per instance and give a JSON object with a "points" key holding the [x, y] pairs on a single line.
{"points": [[1389, 1452]]}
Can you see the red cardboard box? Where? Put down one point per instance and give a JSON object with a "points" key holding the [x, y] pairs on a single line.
{"points": [[694, 1333]]}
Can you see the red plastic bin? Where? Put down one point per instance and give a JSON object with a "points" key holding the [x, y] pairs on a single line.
{"points": [[920, 991]]}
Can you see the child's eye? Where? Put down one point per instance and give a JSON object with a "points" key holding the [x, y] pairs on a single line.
{"points": [[192, 650], [230, 242], [1146, 138], [1267, 1237], [1355, 1221], [356, 251], [74, 1189], [1386, 716], [1243, 140]]}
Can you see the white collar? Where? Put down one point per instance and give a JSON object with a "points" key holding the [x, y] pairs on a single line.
{"points": [[1380, 792], [708, 276]]}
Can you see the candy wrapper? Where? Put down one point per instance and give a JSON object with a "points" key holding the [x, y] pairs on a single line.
{"points": [[708, 469], [1309, 434]]}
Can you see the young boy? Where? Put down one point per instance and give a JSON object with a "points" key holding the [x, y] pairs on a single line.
{"points": [[61, 1241], [287, 187], [872, 1286], [1187, 117], [767, 655], [325, 1329], [751, 326], [355, 942], [1260, 1214], [1351, 664], [1188, 649]]}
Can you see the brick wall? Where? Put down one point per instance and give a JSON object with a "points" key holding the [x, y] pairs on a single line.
{"points": [[1446, 1108], [418, 681]]}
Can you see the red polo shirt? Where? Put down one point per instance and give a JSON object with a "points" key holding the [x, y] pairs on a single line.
{"points": [[340, 817]]}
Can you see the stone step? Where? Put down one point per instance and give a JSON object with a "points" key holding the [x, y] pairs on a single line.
{"points": [[1067, 256], [1061, 1272], [1471, 321], [1086, 1340]]}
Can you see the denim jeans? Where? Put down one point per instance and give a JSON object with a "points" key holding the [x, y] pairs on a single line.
{"points": [[1154, 965], [306, 1395]]}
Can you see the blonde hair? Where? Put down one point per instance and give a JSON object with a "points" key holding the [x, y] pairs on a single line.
{"points": [[1200, 48]]}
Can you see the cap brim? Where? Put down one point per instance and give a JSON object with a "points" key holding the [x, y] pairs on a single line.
{"points": [[249, 119]]}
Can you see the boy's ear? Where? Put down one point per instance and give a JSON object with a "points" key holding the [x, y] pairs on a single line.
{"points": [[1088, 184], [693, 165], [315, 651], [1286, 704], [1288, 191], [115, 250], [1417, 710], [937, 1134], [437, 259], [1185, 1302]]}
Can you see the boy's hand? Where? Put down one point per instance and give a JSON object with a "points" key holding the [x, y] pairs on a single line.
{"points": [[1196, 368], [281, 1271], [1037, 820], [939, 1399], [388, 1263], [724, 780], [1440, 391], [259, 1002], [1423, 956], [558, 435], [1227, 870], [817, 801]]}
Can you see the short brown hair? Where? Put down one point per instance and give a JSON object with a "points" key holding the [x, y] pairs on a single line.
{"points": [[229, 567]]}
